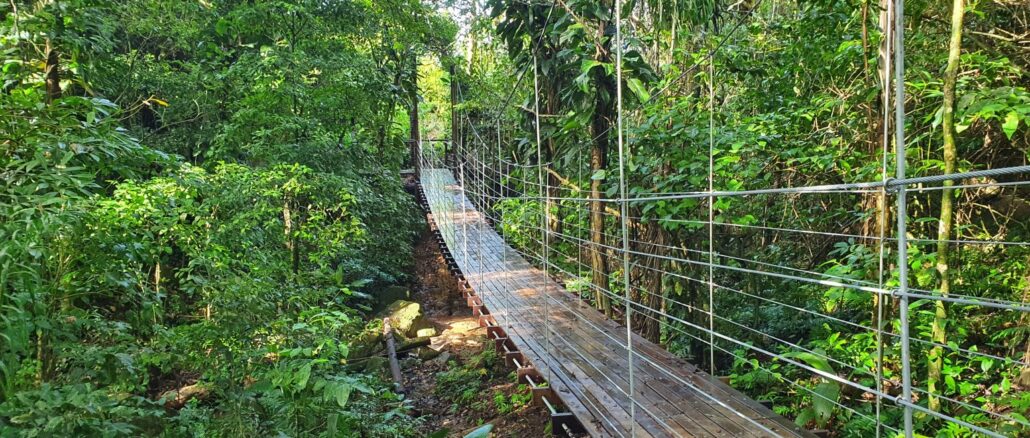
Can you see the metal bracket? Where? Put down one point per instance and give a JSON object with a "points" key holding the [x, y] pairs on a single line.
{"points": [[565, 423]]}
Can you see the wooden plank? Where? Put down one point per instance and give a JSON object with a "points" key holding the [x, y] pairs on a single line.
{"points": [[658, 397], [712, 421]]}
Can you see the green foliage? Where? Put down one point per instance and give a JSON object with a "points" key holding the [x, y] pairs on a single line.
{"points": [[463, 384], [81, 410], [192, 193], [505, 403]]}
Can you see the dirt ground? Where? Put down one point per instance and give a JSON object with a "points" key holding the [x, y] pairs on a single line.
{"points": [[460, 340]]}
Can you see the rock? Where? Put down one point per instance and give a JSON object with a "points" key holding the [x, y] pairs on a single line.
{"points": [[420, 325], [443, 358], [408, 362], [404, 315], [426, 353]]}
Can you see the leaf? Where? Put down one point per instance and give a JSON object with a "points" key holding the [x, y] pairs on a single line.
{"points": [[222, 26], [482, 432], [303, 375], [341, 392], [804, 417], [588, 64], [360, 283], [818, 362], [639, 89], [1010, 124], [825, 400], [598, 175], [331, 424]]}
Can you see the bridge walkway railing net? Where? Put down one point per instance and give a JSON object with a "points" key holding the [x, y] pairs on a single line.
{"points": [[585, 356]]}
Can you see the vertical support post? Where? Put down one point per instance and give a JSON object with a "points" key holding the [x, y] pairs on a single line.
{"points": [[624, 213], [500, 212], [544, 199], [899, 145], [413, 119], [464, 217], [711, 214], [455, 140], [481, 213], [580, 219]]}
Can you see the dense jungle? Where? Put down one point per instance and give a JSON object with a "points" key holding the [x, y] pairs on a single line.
{"points": [[203, 218]]}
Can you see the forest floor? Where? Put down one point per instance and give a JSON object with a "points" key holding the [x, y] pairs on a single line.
{"points": [[467, 385]]}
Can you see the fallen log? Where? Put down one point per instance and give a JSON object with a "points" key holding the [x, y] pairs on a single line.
{"points": [[391, 351], [177, 398]]}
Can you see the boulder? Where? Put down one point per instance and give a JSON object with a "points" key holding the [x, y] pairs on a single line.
{"points": [[405, 316], [426, 353]]}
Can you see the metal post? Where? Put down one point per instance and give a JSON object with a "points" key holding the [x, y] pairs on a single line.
{"points": [[481, 213], [464, 222], [544, 199], [624, 213], [899, 140], [500, 212], [711, 214]]}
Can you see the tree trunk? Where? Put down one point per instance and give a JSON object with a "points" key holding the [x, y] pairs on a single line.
{"points": [[1024, 374], [157, 285], [947, 203], [291, 244], [52, 73], [651, 240], [600, 123], [877, 140], [598, 263]]}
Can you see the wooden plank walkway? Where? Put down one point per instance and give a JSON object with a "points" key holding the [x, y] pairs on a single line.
{"points": [[583, 354]]}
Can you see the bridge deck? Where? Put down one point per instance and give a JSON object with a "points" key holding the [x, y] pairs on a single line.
{"points": [[583, 354]]}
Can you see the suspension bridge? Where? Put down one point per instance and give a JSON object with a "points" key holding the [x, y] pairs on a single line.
{"points": [[517, 243], [594, 375], [577, 361]]}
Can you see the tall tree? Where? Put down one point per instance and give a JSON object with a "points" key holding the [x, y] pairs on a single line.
{"points": [[600, 125]]}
